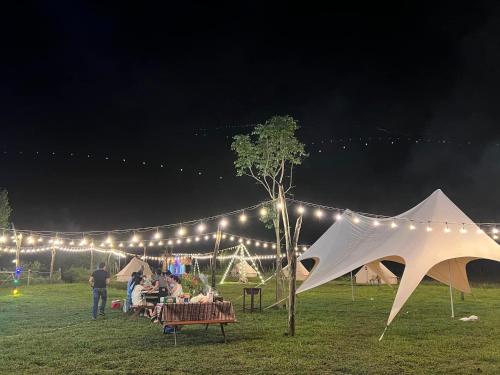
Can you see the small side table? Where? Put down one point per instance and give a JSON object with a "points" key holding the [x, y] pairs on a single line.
{"points": [[252, 292]]}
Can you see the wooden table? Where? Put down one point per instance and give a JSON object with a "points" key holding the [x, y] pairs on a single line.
{"points": [[181, 314]]}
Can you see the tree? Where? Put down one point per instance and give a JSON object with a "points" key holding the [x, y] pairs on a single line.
{"points": [[269, 155], [5, 209]]}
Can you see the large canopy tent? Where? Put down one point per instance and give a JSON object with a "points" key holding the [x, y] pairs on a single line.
{"points": [[301, 272], [375, 273], [434, 238], [134, 265]]}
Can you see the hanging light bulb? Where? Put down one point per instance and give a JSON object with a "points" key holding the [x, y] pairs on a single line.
{"points": [[376, 223], [201, 228], [257, 243], [31, 240], [223, 223], [447, 229], [338, 216], [141, 244], [263, 211], [72, 243], [274, 246], [102, 244], [160, 243], [248, 242], [463, 230], [479, 231], [394, 225], [412, 227], [197, 239], [179, 241], [240, 240], [243, 218], [355, 219], [231, 238], [121, 244], [182, 231], [157, 235], [495, 237], [494, 231], [428, 228], [135, 238], [188, 240], [318, 213], [40, 239], [3, 239], [279, 206], [301, 210], [304, 248], [150, 243], [170, 242], [214, 236], [264, 245]]}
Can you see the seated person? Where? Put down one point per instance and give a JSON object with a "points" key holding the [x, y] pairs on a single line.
{"points": [[138, 289], [174, 286], [163, 284]]}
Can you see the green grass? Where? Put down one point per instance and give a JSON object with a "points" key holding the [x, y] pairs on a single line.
{"points": [[47, 329]]}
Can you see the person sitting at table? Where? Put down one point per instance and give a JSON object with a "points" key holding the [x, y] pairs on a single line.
{"points": [[174, 286], [138, 299], [163, 284], [129, 289]]}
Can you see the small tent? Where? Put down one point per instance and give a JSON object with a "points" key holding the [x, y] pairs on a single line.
{"points": [[301, 272], [375, 273], [242, 268], [134, 265]]}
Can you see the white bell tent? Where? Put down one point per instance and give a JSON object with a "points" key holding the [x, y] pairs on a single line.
{"points": [[134, 265], [242, 268], [434, 238], [301, 272], [375, 273]]}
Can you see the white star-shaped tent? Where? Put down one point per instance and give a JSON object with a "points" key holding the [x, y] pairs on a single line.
{"points": [[434, 238]]}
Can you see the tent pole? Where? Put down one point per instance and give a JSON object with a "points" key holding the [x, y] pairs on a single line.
{"points": [[451, 292], [383, 333], [352, 288]]}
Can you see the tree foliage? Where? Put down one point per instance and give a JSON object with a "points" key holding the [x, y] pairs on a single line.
{"points": [[270, 153], [5, 209]]}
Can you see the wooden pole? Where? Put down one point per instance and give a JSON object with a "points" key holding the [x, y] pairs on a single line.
{"points": [[29, 277], [218, 237], [91, 260], [451, 292]]}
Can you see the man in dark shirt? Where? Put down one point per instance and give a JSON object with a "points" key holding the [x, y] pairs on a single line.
{"points": [[98, 281]]}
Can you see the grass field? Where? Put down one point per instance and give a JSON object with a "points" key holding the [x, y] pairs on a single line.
{"points": [[47, 329]]}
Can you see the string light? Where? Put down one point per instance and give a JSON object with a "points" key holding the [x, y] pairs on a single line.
{"points": [[135, 238], [243, 218], [447, 229], [223, 223], [157, 235], [338, 216], [318, 213], [263, 211], [394, 225], [428, 228], [479, 231], [412, 227], [355, 219], [182, 231], [201, 228], [463, 230], [376, 223], [301, 210]]}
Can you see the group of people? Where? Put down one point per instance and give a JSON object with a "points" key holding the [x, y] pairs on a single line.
{"points": [[165, 283]]}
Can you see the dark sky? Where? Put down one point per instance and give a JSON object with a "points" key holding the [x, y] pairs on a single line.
{"points": [[412, 91]]}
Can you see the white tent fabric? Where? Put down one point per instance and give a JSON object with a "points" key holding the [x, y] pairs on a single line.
{"points": [[134, 265], [434, 238], [375, 273], [301, 272], [244, 269]]}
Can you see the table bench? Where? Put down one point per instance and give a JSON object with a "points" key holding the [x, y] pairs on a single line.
{"points": [[183, 314]]}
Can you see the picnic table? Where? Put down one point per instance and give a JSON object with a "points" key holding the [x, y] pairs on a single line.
{"points": [[181, 314]]}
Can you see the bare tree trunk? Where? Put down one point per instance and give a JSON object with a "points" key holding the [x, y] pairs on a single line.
{"points": [[290, 250], [279, 274], [214, 257], [52, 262]]}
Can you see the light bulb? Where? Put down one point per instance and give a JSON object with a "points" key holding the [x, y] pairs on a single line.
{"points": [[182, 231], [447, 230], [170, 242], [121, 244], [257, 243], [243, 218], [160, 243], [150, 243], [240, 240], [338, 217], [318, 213], [479, 231], [394, 225], [494, 231], [428, 228], [301, 210], [248, 242], [356, 219], [141, 244], [223, 223], [263, 211], [201, 228], [30, 240], [376, 223], [135, 238], [264, 245], [231, 238], [412, 227], [157, 235]]}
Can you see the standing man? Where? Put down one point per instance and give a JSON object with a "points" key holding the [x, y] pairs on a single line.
{"points": [[98, 281]]}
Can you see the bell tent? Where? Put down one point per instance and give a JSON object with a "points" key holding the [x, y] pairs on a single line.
{"points": [[242, 268], [134, 265], [301, 272], [375, 273], [434, 238]]}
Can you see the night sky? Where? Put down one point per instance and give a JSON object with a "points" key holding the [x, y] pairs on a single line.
{"points": [[394, 101]]}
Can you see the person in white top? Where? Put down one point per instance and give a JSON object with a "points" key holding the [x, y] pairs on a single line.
{"points": [[137, 296]]}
